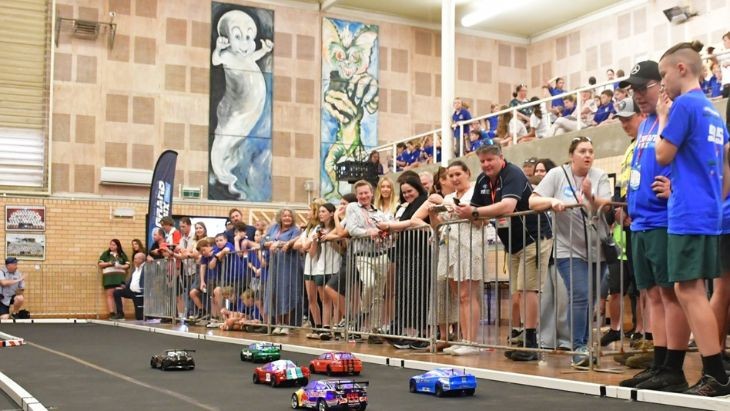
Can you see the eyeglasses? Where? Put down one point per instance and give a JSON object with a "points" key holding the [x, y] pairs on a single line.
{"points": [[582, 138], [530, 161], [644, 88]]}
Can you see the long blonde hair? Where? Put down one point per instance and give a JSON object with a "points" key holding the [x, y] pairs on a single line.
{"points": [[381, 204], [314, 216]]}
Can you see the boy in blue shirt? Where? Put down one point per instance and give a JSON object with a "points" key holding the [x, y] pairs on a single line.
{"points": [[694, 140], [605, 111]]}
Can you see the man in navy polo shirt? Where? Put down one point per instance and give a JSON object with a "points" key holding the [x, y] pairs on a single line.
{"points": [[502, 188]]}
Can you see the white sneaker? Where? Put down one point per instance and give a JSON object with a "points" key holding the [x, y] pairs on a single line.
{"points": [[450, 349], [284, 331], [466, 350], [276, 331]]}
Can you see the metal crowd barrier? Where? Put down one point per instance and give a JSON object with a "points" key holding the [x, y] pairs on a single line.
{"points": [[63, 290], [418, 288]]}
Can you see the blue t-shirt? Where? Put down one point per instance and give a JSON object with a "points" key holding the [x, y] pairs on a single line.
{"points": [[402, 157], [411, 157], [556, 101], [647, 211], [699, 133], [213, 273], [428, 151], [493, 121], [602, 112], [461, 115], [715, 87]]}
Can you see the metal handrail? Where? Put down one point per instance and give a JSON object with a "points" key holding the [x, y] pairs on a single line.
{"points": [[439, 131]]}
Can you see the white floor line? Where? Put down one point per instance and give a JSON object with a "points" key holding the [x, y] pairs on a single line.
{"points": [[126, 378], [609, 391]]}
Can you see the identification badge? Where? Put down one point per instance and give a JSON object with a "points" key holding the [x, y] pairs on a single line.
{"points": [[502, 222], [635, 179]]}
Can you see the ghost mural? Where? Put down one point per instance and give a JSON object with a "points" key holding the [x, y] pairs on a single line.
{"points": [[349, 97], [240, 103]]}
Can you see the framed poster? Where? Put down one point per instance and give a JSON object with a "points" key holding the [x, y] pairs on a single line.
{"points": [[25, 218], [25, 246]]}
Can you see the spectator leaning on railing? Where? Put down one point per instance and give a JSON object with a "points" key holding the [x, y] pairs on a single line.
{"points": [[502, 188], [12, 285]]}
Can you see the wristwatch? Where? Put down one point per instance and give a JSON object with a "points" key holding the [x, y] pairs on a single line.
{"points": [[475, 213]]}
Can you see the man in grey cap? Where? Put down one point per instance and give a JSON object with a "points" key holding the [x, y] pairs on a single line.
{"points": [[628, 113], [647, 196], [12, 285]]}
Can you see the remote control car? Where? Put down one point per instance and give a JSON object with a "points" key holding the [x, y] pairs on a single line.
{"points": [[442, 381], [173, 359], [281, 372], [332, 394], [261, 352], [336, 363]]}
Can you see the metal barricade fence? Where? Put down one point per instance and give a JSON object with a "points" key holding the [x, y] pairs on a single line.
{"points": [[160, 288], [464, 261], [389, 283], [419, 288]]}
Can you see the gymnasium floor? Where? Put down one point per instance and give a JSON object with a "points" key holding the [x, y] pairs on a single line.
{"points": [[93, 366]]}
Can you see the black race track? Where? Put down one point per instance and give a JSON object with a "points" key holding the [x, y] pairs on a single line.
{"points": [[220, 381]]}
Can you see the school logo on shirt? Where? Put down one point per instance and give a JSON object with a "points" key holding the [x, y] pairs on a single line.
{"points": [[568, 193], [715, 135]]}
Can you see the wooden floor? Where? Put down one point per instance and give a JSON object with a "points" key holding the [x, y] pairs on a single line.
{"points": [[555, 365]]}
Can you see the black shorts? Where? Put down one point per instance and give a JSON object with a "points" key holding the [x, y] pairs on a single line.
{"points": [[614, 277], [5, 309]]}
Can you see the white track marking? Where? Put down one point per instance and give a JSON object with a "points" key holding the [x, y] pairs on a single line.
{"points": [[126, 378]]}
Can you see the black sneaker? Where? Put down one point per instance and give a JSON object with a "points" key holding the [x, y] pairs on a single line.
{"points": [[708, 386], [523, 356], [610, 336], [639, 378], [665, 380], [420, 345]]}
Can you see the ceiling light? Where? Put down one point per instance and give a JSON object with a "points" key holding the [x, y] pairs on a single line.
{"points": [[492, 10]]}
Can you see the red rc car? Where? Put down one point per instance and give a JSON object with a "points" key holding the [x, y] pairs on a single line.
{"points": [[336, 363], [281, 372]]}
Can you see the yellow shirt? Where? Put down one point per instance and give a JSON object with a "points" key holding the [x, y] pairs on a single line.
{"points": [[625, 174]]}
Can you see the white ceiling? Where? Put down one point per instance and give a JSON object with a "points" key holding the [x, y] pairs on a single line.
{"points": [[525, 21]]}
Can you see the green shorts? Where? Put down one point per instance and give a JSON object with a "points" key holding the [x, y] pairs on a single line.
{"points": [[725, 253], [693, 257], [649, 252], [320, 279]]}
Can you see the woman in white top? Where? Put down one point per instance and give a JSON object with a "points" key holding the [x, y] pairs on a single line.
{"points": [[325, 260], [464, 262], [385, 198]]}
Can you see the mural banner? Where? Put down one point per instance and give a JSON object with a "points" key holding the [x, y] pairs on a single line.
{"points": [[349, 118], [241, 74]]}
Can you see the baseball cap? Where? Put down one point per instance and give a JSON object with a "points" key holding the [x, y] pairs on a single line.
{"points": [[626, 107], [642, 73], [11, 260]]}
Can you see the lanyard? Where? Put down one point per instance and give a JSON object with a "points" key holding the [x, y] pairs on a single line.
{"points": [[639, 147], [492, 189]]}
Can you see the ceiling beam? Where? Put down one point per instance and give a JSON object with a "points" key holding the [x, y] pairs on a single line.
{"points": [[324, 5]]}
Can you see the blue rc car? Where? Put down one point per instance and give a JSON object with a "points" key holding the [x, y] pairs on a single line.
{"points": [[443, 381]]}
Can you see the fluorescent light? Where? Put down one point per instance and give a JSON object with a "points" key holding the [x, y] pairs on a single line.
{"points": [[495, 8]]}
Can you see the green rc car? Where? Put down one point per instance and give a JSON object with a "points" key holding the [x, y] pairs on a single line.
{"points": [[261, 352]]}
